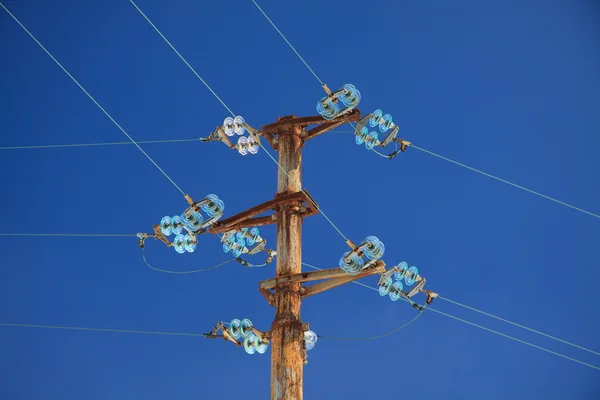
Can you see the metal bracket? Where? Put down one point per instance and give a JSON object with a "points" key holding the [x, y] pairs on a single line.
{"points": [[246, 218], [331, 278]]}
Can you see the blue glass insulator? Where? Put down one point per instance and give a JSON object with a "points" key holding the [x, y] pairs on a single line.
{"points": [[375, 118], [214, 206], [238, 125], [327, 108], [362, 135], [228, 126], [371, 140], [166, 226], [350, 97], [261, 347], [252, 145], [385, 287], [249, 344], [234, 328], [253, 236], [242, 145], [228, 244], [395, 291], [179, 244], [399, 275], [411, 276], [238, 248], [310, 338], [245, 326], [374, 249], [190, 243], [353, 265], [193, 221], [241, 234], [177, 224], [386, 123]]}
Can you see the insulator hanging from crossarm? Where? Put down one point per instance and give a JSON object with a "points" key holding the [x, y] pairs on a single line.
{"points": [[191, 221], [371, 138], [410, 275], [361, 256], [338, 103], [242, 333]]}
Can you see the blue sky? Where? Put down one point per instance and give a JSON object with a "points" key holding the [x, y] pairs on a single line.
{"points": [[511, 88]]}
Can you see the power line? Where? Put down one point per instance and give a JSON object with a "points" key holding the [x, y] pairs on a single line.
{"points": [[289, 44], [79, 328], [507, 182], [183, 272], [55, 146], [518, 325], [373, 337], [233, 114], [70, 234], [515, 339], [437, 155], [91, 97], [182, 59], [481, 327]]}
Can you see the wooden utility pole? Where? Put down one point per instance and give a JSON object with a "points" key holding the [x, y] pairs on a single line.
{"points": [[287, 336]]}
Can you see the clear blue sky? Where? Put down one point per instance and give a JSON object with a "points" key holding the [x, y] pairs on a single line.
{"points": [[511, 88]]}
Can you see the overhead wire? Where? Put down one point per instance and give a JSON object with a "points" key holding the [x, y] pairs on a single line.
{"points": [[233, 114], [79, 328], [480, 326], [507, 182], [183, 272], [432, 153], [518, 325], [55, 146], [70, 234], [373, 337], [91, 97]]}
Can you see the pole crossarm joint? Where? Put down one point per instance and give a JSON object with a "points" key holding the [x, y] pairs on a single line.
{"points": [[331, 278], [248, 218], [284, 124]]}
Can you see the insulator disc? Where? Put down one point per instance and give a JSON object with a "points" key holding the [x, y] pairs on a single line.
{"points": [[249, 344], [242, 145], [190, 243], [179, 244], [166, 226], [214, 206], [327, 108], [371, 140], [350, 97], [385, 287], [252, 145], [396, 289], [228, 126], [386, 123], [362, 135], [244, 328], [411, 276], [229, 244], [374, 249], [375, 118], [353, 265], [260, 346], [177, 224], [253, 236], [310, 335], [238, 125], [234, 328], [241, 234], [399, 275], [309, 345], [238, 248], [193, 221]]}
